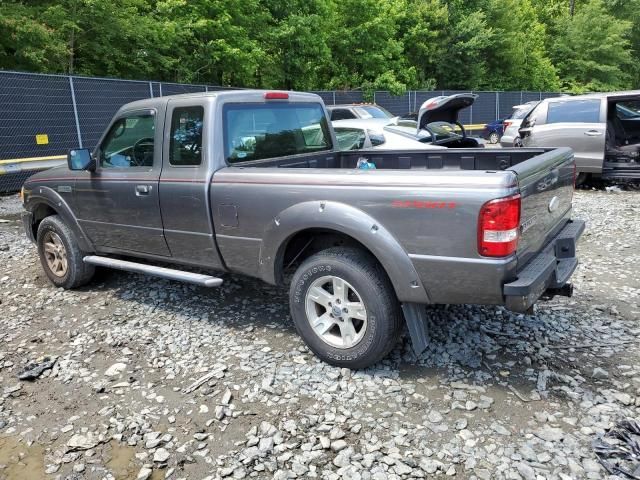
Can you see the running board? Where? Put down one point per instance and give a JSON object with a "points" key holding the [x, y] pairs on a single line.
{"points": [[169, 273]]}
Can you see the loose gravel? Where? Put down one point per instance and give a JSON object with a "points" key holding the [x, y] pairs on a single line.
{"points": [[148, 379]]}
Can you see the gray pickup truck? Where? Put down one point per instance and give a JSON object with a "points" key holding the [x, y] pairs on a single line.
{"points": [[249, 182]]}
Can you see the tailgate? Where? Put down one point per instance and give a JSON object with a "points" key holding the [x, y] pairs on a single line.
{"points": [[546, 187]]}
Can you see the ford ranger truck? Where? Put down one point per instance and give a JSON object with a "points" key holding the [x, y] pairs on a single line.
{"points": [[250, 182]]}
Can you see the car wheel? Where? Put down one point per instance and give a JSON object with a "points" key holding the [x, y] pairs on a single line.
{"points": [[581, 178], [517, 142], [344, 307], [60, 256], [494, 138]]}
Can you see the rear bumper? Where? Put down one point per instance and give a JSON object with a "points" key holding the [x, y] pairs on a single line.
{"points": [[550, 270]]}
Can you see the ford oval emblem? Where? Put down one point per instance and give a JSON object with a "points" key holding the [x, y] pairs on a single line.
{"points": [[554, 204]]}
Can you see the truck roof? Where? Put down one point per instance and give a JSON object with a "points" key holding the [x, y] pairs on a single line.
{"points": [[617, 95], [238, 95]]}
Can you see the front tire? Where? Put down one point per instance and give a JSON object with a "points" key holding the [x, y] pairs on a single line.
{"points": [[494, 138], [60, 255], [344, 308]]}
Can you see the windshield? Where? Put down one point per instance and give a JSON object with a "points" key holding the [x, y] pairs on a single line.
{"points": [[372, 111]]}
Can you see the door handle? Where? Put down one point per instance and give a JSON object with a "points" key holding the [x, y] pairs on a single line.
{"points": [[142, 190], [593, 133]]}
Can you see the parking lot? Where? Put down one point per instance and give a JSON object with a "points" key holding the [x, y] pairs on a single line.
{"points": [[154, 379]]}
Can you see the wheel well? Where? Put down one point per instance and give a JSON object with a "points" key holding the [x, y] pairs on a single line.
{"points": [[40, 213], [305, 243]]}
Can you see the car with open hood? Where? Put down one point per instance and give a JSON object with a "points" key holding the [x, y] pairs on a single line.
{"points": [[438, 122]]}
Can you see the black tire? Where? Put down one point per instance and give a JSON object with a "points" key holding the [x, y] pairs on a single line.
{"points": [[494, 138], [371, 284], [77, 272], [581, 178]]}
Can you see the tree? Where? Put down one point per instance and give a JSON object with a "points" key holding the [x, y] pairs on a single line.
{"points": [[518, 58], [424, 26], [593, 52]]}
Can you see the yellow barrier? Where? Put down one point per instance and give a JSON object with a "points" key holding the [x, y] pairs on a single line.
{"points": [[32, 159]]}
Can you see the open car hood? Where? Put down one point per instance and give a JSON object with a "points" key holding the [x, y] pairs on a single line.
{"points": [[444, 109]]}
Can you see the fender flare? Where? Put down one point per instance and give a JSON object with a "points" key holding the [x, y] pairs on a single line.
{"points": [[45, 195], [348, 220]]}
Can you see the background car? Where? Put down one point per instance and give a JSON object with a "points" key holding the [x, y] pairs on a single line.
{"points": [[510, 136], [358, 134], [358, 110], [492, 131], [603, 129]]}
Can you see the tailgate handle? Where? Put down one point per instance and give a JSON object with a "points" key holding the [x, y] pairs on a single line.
{"points": [[593, 133]]}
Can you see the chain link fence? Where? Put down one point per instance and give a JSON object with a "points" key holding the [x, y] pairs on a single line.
{"points": [[43, 116]]}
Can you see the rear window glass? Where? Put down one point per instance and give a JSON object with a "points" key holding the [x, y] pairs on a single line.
{"points": [[520, 113], [371, 111], [256, 131], [341, 114], [575, 111]]}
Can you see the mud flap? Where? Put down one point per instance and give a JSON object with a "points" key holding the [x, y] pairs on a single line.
{"points": [[415, 314]]}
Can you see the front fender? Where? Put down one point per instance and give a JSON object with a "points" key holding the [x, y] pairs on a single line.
{"points": [[350, 221], [38, 195]]}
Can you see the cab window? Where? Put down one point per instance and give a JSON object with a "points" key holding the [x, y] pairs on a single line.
{"points": [[129, 142], [261, 131], [185, 147]]}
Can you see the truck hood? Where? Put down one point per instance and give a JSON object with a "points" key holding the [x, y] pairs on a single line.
{"points": [[444, 109]]}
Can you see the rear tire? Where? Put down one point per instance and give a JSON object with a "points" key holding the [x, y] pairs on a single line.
{"points": [[344, 308], [494, 138], [60, 255], [581, 178]]}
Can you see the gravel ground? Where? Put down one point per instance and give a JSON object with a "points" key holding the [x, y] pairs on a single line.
{"points": [[154, 379]]}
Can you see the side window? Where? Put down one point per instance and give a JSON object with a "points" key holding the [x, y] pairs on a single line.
{"points": [[185, 148], [575, 111], [255, 131], [341, 114], [129, 142]]}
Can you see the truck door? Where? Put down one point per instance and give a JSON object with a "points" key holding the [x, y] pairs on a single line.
{"points": [[118, 204], [185, 184]]}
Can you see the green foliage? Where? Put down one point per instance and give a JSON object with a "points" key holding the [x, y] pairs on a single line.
{"points": [[321, 44], [593, 50]]}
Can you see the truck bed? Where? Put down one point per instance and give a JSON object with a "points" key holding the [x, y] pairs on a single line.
{"points": [[448, 159]]}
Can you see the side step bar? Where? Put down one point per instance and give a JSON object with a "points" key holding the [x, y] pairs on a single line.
{"points": [[169, 273]]}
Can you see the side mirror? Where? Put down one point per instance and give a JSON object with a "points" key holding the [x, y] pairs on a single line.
{"points": [[80, 159]]}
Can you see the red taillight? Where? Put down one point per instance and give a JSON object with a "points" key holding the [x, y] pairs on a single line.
{"points": [[276, 96], [506, 124], [499, 227]]}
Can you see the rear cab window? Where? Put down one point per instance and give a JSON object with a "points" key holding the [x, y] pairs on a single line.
{"points": [[574, 111], [257, 131], [185, 148]]}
